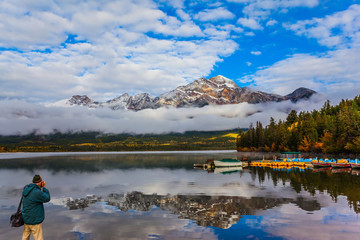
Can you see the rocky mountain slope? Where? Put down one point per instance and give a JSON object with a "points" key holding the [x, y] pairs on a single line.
{"points": [[214, 91]]}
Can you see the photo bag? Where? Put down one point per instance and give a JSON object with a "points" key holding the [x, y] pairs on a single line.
{"points": [[16, 220]]}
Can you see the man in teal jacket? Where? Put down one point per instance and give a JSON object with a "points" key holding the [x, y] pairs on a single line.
{"points": [[34, 195]]}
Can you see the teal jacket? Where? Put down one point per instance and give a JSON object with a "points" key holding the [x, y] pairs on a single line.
{"points": [[33, 207]]}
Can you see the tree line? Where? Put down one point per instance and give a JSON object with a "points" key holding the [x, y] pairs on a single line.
{"points": [[332, 129], [97, 141]]}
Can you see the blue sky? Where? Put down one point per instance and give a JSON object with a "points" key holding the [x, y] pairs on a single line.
{"points": [[51, 50]]}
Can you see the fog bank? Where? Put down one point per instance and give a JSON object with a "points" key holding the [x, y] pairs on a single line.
{"points": [[20, 117]]}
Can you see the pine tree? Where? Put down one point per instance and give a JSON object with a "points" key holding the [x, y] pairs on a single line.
{"points": [[333, 129]]}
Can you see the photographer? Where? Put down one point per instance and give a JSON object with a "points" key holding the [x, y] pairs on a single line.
{"points": [[34, 195]]}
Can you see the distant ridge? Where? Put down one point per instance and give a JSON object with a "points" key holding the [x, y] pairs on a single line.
{"points": [[218, 90]]}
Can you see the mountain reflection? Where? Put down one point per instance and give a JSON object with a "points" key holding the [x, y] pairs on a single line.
{"points": [[216, 211]]}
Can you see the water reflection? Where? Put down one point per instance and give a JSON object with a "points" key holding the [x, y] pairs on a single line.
{"points": [[159, 196], [335, 183], [217, 211]]}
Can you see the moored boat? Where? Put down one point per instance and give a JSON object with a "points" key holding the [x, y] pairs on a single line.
{"points": [[321, 164], [355, 165], [340, 165], [227, 163], [209, 164]]}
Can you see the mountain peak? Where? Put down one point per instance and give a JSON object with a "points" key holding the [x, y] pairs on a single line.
{"points": [[80, 100], [221, 80], [217, 90], [300, 93]]}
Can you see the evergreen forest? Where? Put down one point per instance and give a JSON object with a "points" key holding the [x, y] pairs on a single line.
{"points": [[330, 130]]}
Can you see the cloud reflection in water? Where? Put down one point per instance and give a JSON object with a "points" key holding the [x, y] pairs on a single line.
{"points": [[160, 197]]}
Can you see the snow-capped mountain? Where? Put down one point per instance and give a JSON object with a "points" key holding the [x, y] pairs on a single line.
{"points": [[215, 91]]}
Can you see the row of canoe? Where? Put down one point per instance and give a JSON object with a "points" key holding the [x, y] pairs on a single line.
{"points": [[287, 162], [316, 163], [278, 163], [341, 163]]}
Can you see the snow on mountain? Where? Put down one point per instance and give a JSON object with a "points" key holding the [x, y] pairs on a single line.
{"points": [[61, 103], [214, 91], [141, 101], [119, 102]]}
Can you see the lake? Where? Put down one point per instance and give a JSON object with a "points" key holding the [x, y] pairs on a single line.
{"points": [[161, 196]]}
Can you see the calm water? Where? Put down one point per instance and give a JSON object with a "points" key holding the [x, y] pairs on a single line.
{"points": [[161, 196]]}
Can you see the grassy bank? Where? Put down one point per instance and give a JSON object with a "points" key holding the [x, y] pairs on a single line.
{"points": [[96, 141]]}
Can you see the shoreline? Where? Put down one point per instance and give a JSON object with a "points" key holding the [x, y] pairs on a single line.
{"points": [[16, 155]]}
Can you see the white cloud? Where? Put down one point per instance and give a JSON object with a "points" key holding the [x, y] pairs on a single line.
{"points": [[249, 34], [258, 11], [90, 20], [339, 29], [214, 14], [183, 15], [174, 3], [335, 74], [271, 22], [263, 8], [38, 31], [155, 66], [256, 53], [119, 52], [250, 23]]}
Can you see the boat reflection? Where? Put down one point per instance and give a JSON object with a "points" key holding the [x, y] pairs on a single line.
{"points": [[222, 170], [217, 211], [323, 169], [341, 170], [355, 172], [227, 170]]}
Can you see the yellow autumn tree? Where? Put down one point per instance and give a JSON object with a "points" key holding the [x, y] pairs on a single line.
{"points": [[306, 145]]}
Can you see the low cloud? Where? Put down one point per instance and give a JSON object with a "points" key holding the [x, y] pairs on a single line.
{"points": [[20, 117]]}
